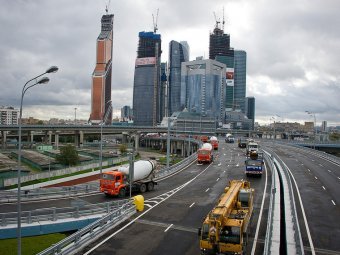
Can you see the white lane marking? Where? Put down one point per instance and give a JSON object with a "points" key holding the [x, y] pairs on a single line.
{"points": [[148, 205], [324, 187], [237, 164], [219, 164], [207, 190], [303, 212], [315, 177], [320, 165], [313, 160], [135, 219], [224, 172], [217, 179], [329, 171], [308, 170], [168, 227], [339, 178], [333, 202], [260, 216], [192, 205], [301, 164]]}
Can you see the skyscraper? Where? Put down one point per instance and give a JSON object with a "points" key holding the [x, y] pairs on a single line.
{"points": [[240, 79], [203, 87], [219, 44], [250, 110], [178, 53], [146, 87], [101, 77]]}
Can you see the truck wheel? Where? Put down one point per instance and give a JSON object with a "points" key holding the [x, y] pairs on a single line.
{"points": [[121, 192], [150, 186], [142, 188]]}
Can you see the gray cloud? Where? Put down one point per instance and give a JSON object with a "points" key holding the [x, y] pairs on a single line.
{"points": [[293, 51]]}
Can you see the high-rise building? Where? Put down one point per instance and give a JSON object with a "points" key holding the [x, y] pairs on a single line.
{"points": [[163, 99], [203, 87], [9, 116], [250, 110], [324, 126], [126, 113], [178, 53], [240, 79], [101, 77], [146, 87], [219, 44]]}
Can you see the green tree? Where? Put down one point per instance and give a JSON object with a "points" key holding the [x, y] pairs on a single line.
{"points": [[122, 148], [68, 155]]}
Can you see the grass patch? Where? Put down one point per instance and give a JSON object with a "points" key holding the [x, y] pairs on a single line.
{"points": [[30, 245]]}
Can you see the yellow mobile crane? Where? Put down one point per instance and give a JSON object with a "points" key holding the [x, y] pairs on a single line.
{"points": [[224, 228]]}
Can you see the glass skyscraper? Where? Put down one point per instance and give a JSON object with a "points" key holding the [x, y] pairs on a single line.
{"points": [[240, 75], [178, 53], [250, 110], [146, 87], [203, 88]]}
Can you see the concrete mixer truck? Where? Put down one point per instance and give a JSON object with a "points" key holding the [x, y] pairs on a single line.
{"points": [[214, 142], [116, 182], [204, 154]]}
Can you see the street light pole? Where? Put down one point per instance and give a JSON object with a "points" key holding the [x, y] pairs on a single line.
{"points": [[43, 80], [104, 118], [75, 116]]}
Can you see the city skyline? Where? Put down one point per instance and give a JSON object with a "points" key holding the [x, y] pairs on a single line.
{"points": [[292, 52]]}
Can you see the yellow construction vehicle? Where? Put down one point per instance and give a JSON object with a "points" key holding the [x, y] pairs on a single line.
{"points": [[224, 229]]}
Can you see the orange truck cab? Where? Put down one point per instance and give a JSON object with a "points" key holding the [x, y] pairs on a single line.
{"points": [[113, 183]]}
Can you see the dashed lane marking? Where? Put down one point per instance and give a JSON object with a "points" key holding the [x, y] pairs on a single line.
{"points": [[315, 177], [217, 179], [192, 205], [207, 190], [324, 187], [333, 202], [168, 227]]}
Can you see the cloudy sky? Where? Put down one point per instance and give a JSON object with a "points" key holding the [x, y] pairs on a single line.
{"points": [[293, 51]]}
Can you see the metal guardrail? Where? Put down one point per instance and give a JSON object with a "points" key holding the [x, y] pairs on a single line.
{"points": [[43, 193], [293, 240], [77, 241], [54, 214]]}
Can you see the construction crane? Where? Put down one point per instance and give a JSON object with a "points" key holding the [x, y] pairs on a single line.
{"points": [[217, 21], [223, 19], [107, 7], [155, 28]]}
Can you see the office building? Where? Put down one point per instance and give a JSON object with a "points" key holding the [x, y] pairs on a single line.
{"points": [[126, 113], [240, 79], [250, 110], [219, 43], [101, 77], [203, 88], [9, 116], [178, 53], [324, 126], [147, 84]]}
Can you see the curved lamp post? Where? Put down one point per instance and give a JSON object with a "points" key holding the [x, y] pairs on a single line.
{"points": [[104, 119], [43, 80]]}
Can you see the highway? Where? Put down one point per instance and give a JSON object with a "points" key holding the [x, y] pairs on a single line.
{"points": [[318, 181], [169, 224], [175, 209]]}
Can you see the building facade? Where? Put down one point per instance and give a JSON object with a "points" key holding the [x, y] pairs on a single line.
{"points": [[178, 53], [250, 111], [203, 88], [240, 79], [147, 82], [9, 116], [126, 113], [102, 74]]}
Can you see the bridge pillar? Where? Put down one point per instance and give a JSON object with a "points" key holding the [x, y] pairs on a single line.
{"points": [[49, 141], [182, 149], [56, 139], [137, 136], [125, 137], [81, 138], [76, 138], [31, 136], [4, 139]]}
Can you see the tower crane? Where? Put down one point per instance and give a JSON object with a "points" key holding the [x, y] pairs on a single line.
{"points": [[216, 20], [107, 7], [155, 28]]}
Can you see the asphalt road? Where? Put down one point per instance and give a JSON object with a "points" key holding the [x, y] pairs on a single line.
{"points": [[318, 182], [170, 225]]}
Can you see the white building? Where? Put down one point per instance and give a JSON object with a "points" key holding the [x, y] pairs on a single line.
{"points": [[9, 116]]}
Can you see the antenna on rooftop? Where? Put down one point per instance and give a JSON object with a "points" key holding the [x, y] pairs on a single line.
{"points": [[107, 7], [154, 21]]}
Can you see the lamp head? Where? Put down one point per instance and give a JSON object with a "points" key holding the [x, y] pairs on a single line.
{"points": [[43, 80], [52, 69]]}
